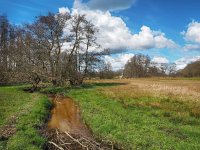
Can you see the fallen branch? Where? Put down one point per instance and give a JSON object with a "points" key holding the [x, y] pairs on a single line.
{"points": [[76, 140], [56, 145], [65, 141]]}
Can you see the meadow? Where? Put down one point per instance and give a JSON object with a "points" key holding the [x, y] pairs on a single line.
{"points": [[154, 113], [145, 113]]}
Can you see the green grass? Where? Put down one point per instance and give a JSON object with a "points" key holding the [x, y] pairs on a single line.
{"points": [[128, 113], [11, 101], [30, 111], [136, 126]]}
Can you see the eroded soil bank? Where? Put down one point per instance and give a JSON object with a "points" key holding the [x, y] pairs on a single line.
{"points": [[65, 116], [66, 130]]}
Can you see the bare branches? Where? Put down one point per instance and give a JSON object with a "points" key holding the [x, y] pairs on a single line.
{"points": [[64, 140], [55, 48]]}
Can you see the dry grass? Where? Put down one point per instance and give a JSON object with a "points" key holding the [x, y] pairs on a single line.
{"points": [[149, 113], [184, 89], [165, 93]]}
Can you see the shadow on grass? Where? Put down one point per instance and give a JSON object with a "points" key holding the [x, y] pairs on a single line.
{"points": [[103, 84], [66, 89]]}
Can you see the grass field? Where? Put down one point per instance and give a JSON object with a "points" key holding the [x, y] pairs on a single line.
{"points": [[21, 116], [143, 113], [151, 113]]}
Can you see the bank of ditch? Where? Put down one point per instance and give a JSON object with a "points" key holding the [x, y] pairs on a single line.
{"points": [[44, 120], [22, 118]]}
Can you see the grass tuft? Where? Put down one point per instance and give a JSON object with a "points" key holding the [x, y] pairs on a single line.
{"points": [[31, 111]]}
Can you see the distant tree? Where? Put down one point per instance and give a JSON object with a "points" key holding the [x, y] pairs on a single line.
{"points": [[105, 71], [191, 70], [137, 66], [163, 68], [142, 66], [154, 71], [171, 69], [4, 51]]}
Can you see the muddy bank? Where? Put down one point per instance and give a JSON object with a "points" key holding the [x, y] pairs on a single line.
{"points": [[66, 130], [65, 116]]}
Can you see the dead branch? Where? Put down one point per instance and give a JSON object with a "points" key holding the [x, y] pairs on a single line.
{"points": [[76, 140], [56, 145]]}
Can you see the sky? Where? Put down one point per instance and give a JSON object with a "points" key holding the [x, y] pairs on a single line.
{"points": [[166, 30]]}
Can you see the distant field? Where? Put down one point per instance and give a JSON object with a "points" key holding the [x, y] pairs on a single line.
{"points": [[154, 113]]}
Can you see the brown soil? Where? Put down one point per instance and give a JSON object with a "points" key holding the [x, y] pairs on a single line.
{"points": [[66, 117], [66, 130], [8, 130]]}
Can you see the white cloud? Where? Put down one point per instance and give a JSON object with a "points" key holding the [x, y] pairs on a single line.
{"points": [[182, 62], [188, 47], [111, 5], [114, 34], [160, 60], [192, 37], [193, 32], [118, 61], [64, 10]]}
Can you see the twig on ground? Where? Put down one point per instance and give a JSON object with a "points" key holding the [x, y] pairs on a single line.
{"points": [[56, 145]]}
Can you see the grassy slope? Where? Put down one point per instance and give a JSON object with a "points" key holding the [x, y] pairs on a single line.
{"points": [[30, 111], [147, 122]]}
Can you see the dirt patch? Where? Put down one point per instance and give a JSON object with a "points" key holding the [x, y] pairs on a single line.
{"points": [[8, 130], [66, 117], [66, 130]]}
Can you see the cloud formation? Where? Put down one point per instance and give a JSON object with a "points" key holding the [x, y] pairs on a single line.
{"points": [[192, 35], [111, 5], [193, 32], [188, 47], [118, 61], [114, 34], [182, 62], [64, 10], [160, 60]]}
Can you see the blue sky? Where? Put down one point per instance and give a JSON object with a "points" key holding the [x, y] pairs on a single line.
{"points": [[20, 11], [169, 17]]}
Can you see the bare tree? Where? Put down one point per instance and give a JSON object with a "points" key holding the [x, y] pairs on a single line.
{"points": [[105, 71], [4, 38], [47, 34], [137, 66], [84, 51], [37, 52]]}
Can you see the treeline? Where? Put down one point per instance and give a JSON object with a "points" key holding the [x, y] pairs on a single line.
{"points": [[191, 70], [61, 48], [138, 66], [56, 48], [142, 66]]}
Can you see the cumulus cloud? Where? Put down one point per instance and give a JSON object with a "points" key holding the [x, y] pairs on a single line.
{"points": [[193, 32], [182, 62], [114, 34], [188, 47], [118, 61], [160, 60], [110, 5], [192, 36], [64, 10]]}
